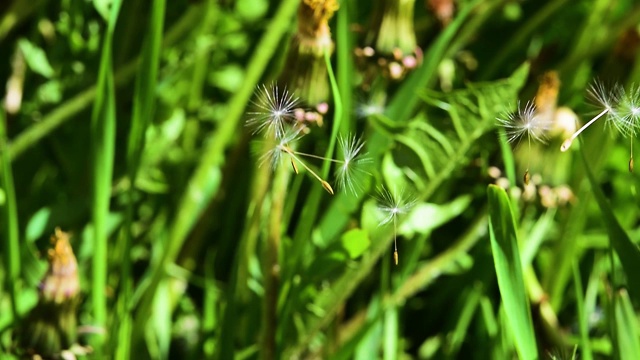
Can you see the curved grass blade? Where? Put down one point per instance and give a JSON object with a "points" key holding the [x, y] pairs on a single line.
{"points": [[627, 251], [506, 257]]}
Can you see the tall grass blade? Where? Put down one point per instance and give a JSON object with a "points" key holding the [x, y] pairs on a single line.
{"points": [[143, 111], [103, 127], [506, 257]]}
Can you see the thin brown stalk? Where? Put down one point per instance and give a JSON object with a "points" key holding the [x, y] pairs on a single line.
{"points": [[272, 265]]}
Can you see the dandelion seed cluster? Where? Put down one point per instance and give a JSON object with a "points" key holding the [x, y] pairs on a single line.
{"points": [[620, 108], [275, 116]]}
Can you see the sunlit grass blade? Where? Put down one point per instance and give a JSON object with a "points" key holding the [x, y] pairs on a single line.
{"points": [[585, 342], [103, 132], [506, 257]]}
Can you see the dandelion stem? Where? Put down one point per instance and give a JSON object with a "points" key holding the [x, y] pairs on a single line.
{"points": [[567, 143], [395, 242], [631, 155]]}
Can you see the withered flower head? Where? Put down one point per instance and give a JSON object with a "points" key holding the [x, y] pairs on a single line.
{"points": [[61, 282], [50, 328], [305, 71]]}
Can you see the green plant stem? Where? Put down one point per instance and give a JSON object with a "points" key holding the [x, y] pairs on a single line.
{"points": [[344, 66], [10, 218], [428, 273], [272, 263], [103, 126]]}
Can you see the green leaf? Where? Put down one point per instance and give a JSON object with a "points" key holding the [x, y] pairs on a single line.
{"points": [[36, 58], [434, 214], [506, 257], [355, 241]]}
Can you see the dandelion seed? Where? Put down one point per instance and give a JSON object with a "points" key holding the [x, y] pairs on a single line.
{"points": [[273, 110], [392, 205], [349, 171], [274, 156], [621, 110], [283, 147], [628, 112], [608, 100], [526, 122]]}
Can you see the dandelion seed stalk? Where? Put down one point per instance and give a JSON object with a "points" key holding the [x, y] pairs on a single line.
{"points": [[567, 143], [292, 153]]}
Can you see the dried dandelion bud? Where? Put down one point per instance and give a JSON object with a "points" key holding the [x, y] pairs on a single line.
{"points": [[393, 39], [305, 72], [546, 99], [51, 326], [61, 282], [442, 9], [527, 177]]}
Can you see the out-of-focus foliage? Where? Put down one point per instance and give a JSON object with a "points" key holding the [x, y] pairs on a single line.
{"points": [[135, 126]]}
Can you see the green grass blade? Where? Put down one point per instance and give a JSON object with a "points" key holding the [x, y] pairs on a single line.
{"points": [[103, 127], [11, 248], [585, 343], [506, 257], [627, 251], [626, 323], [345, 66], [143, 106]]}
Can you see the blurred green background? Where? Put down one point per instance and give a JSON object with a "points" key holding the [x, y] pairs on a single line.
{"points": [[124, 124]]}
